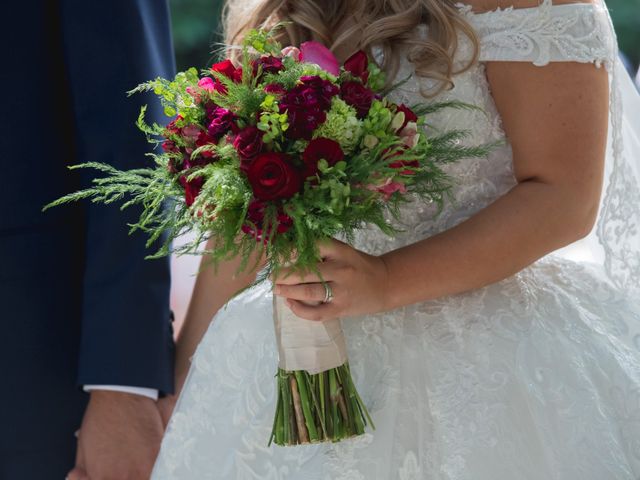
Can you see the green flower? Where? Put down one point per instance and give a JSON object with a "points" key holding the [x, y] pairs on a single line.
{"points": [[378, 119], [342, 125], [272, 122]]}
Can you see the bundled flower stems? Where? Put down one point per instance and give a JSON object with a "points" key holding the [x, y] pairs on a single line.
{"points": [[271, 157]]}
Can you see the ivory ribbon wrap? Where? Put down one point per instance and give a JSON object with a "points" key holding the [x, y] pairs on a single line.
{"points": [[305, 344]]}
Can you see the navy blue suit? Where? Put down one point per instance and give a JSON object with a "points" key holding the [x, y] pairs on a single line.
{"points": [[79, 303]]}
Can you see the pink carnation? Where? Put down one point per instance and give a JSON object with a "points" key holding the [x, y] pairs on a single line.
{"points": [[207, 84]]}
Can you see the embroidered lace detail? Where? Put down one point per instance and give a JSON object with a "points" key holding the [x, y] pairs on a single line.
{"points": [[548, 33]]}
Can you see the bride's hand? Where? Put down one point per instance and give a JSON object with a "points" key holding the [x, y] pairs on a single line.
{"points": [[358, 282]]}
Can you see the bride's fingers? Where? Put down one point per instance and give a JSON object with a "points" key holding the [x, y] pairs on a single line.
{"points": [[306, 292], [320, 313], [290, 276]]}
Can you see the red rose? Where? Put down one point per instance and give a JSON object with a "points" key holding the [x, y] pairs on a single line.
{"points": [[357, 65], [227, 69], [409, 116], [191, 188], [273, 177], [318, 149], [358, 96], [248, 144]]}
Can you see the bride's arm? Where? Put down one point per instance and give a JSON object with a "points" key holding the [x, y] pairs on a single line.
{"points": [[212, 290], [556, 119]]}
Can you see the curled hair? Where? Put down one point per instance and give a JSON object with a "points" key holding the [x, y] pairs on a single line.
{"points": [[351, 25]]}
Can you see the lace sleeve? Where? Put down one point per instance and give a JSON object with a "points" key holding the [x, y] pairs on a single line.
{"points": [[576, 32]]}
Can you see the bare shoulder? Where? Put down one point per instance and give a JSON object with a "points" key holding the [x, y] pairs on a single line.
{"points": [[482, 6]]}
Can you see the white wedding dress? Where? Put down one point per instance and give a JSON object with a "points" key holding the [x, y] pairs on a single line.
{"points": [[535, 377]]}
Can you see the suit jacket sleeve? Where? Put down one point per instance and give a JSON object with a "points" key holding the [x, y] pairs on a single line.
{"points": [[111, 47]]}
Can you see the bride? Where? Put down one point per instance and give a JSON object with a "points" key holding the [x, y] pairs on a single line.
{"points": [[479, 353]]}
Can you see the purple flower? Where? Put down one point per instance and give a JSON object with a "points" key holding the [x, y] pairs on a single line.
{"points": [[221, 121], [306, 105], [269, 64]]}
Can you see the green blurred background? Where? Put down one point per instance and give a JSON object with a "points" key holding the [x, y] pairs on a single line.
{"points": [[196, 29]]}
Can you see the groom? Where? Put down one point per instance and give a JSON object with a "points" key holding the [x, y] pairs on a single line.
{"points": [[81, 308]]}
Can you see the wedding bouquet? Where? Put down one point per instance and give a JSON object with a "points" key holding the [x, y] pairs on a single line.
{"points": [[268, 159]]}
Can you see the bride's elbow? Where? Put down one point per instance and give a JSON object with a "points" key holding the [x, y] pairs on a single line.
{"points": [[583, 218]]}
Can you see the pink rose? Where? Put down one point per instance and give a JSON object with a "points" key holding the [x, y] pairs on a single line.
{"points": [[293, 52]]}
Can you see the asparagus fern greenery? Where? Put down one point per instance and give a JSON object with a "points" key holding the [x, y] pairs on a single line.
{"points": [[201, 181]]}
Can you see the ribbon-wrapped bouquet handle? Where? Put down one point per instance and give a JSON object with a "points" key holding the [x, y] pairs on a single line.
{"points": [[317, 398]]}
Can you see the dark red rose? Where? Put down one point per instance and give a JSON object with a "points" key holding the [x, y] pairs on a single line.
{"points": [[409, 116], [357, 65], [227, 69], [248, 144], [269, 64], [318, 149], [358, 96], [273, 177], [221, 121], [192, 188]]}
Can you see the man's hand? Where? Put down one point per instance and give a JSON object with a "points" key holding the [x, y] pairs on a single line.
{"points": [[119, 438]]}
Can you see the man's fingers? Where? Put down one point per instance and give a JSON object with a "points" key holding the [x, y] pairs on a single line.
{"points": [[77, 474]]}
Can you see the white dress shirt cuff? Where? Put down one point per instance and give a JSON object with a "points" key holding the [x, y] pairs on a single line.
{"points": [[144, 392]]}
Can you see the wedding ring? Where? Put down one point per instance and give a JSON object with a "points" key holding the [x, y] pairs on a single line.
{"points": [[328, 293]]}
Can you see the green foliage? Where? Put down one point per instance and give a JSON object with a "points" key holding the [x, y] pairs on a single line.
{"points": [[339, 200]]}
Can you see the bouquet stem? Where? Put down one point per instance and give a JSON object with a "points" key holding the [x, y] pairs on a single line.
{"points": [[321, 407], [317, 398]]}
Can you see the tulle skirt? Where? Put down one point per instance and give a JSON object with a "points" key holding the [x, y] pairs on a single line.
{"points": [[535, 377]]}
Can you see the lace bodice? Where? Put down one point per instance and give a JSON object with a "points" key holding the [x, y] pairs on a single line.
{"points": [[548, 33]]}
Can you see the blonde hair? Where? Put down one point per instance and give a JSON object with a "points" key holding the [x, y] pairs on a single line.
{"points": [[353, 25]]}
